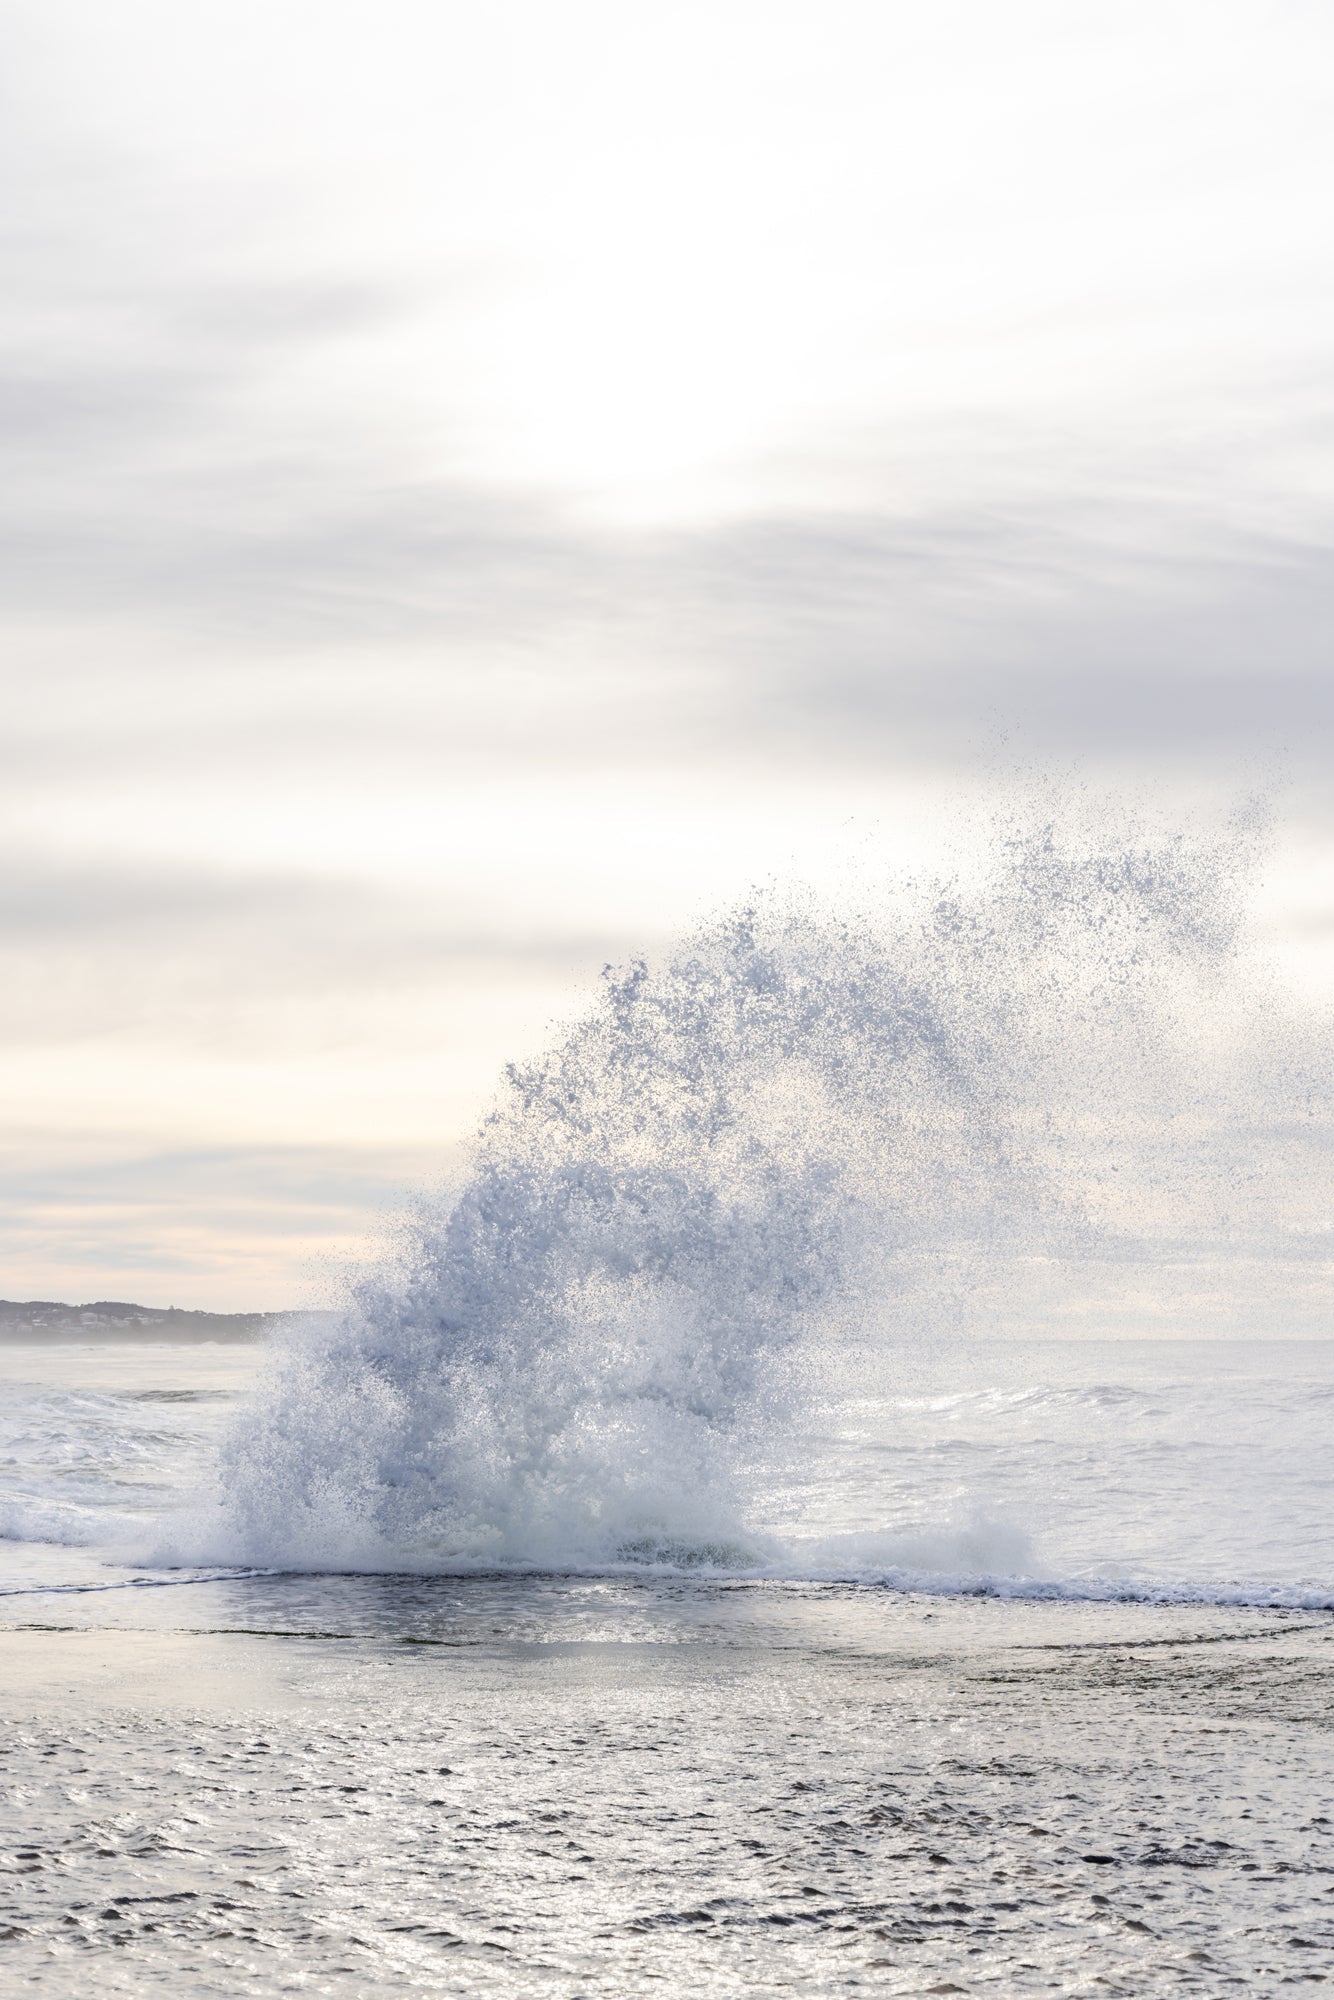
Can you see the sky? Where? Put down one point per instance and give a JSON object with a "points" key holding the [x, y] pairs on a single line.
{"points": [[490, 483]]}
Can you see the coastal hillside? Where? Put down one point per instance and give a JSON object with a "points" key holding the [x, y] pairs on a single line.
{"points": [[28, 1320]]}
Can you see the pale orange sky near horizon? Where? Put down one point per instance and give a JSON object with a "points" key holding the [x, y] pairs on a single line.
{"points": [[490, 485]]}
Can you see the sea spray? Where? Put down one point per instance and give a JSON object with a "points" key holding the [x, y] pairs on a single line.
{"points": [[805, 1130]]}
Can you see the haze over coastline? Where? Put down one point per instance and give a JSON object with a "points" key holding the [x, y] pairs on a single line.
{"points": [[57, 1322]]}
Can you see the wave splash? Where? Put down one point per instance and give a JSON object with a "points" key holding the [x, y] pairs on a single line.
{"points": [[806, 1129]]}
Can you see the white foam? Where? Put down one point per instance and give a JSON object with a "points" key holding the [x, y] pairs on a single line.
{"points": [[42, 1519], [805, 1127]]}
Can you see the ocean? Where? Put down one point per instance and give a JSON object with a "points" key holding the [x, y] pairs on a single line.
{"points": [[1084, 1745], [1154, 1471]]}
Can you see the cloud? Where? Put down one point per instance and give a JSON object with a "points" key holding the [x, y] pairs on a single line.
{"points": [[210, 955], [212, 483], [272, 1224], [845, 634], [854, 637]]}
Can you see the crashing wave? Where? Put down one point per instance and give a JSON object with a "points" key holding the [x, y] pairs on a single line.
{"points": [[805, 1128]]}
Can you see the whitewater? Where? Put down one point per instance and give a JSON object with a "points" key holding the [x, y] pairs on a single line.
{"points": [[1169, 1471]]}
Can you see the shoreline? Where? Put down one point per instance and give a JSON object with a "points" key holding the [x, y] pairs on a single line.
{"points": [[993, 1802]]}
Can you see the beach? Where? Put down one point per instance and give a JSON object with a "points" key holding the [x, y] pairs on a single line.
{"points": [[371, 1786]]}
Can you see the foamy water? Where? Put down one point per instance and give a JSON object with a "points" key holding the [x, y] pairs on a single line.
{"points": [[827, 1153], [1172, 1470]]}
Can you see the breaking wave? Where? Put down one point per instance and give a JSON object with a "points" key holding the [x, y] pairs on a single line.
{"points": [[808, 1134]]}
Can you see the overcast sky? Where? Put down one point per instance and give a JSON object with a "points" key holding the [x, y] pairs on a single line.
{"points": [[490, 482]]}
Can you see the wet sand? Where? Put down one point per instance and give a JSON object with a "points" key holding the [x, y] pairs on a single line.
{"points": [[565, 1787]]}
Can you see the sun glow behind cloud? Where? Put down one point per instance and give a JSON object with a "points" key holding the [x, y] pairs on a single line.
{"points": [[653, 262]]}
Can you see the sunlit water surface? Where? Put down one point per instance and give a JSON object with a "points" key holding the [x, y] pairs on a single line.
{"points": [[231, 1782]]}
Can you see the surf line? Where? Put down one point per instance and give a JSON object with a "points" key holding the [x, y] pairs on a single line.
{"points": [[271, 1632], [137, 1583]]}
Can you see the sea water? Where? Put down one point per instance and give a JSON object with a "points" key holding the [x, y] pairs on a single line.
{"points": [[1063, 1729], [1164, 1470]]}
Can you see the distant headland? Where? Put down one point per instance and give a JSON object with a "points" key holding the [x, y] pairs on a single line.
{"points": [[31, 1320]]}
